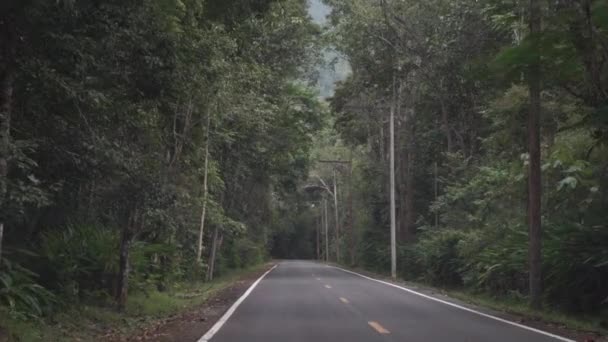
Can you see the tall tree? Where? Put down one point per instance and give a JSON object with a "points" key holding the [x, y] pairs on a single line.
{"points": [[534, 173]]}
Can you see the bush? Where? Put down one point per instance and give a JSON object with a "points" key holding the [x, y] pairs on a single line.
{"points": [[240, 253], [437, 258], [21, 294], [495, 261], [80, 258], [575, 262], [155, 265]]}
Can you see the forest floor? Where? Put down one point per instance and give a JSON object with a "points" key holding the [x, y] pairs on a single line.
{"points": [[577, 327], [183, 314]]}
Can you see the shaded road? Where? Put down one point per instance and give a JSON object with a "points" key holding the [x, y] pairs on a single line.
{"points": [[305, 301]]}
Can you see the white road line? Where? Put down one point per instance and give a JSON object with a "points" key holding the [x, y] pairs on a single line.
{"points": [[218, 325], [461, 307]]}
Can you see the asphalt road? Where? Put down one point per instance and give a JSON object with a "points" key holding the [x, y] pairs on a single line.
{"points": [[309, 302]]}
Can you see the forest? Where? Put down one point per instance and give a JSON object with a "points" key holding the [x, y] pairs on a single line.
{"points": [[500, 128], [149, 144], [146, 143]]}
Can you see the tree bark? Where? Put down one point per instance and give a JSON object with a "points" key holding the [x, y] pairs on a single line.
{"points": [[326, 216], [199, 249], [401, 138], [393, 244], [534, 176], [1, 237], [351, 216], [445, 122], [7, 75], [408, 227], [409, 195], [128, 233], [213, 255], [319, 227], [337, 218]]}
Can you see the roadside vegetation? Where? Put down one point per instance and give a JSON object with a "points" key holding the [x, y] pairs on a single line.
{"points": [[145, 310], [466, 81], [149, 147], [145, 146]]}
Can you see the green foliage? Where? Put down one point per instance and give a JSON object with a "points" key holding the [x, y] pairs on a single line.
{"points": [[438, 257], [454, 72], [109, 143], [20, 293], [80, 258]]}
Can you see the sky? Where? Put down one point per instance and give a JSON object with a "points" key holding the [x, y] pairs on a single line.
{"points": [[318, 11], [329, 72]]}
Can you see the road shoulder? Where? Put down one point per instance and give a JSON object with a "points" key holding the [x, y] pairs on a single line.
{"points": [[193, 323]]}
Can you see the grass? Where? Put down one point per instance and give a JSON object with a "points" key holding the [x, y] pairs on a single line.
{"points": [[89, 322], [519, 307]]}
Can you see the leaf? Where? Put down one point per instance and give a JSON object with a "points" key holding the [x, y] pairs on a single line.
{"points": [[568, 181], [601, 264]]}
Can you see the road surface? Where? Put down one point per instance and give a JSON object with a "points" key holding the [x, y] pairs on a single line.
{"points": [[309, 302]]}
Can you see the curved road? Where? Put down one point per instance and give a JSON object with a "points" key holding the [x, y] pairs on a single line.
{"points": [[305, 301]]}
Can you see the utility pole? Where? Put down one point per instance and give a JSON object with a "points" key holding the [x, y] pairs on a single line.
{"points": [[392, 187]]}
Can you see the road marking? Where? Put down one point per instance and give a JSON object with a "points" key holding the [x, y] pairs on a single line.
{"points": [[327, 286], [344, 300], [218, 325], [557, 337], [380, 329], [318, 278]]}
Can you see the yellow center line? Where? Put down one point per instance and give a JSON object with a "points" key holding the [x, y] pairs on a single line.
{"points": [[327, 286], [344, 300], [380, 329]]}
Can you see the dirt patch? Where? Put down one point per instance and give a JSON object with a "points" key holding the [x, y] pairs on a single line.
{"points": [[192, 324]]}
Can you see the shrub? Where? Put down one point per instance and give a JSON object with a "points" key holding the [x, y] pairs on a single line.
{"points": [[21, 294], [436, 254], [80, 258], [155, 264], [575, 262], [495, 260]]}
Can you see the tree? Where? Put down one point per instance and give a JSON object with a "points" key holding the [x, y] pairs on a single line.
{"points": [[534, 176]]}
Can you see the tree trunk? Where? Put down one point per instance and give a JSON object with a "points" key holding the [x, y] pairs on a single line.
{"points": [[337, 217], [351, 215], [392, 187], [199, 249], [410, 215], [401, 137], [6, 100], [401, 188], [436, 190], [408, 233], [1, 237], [326, 215], [213, 254], [318, 237], [445, 122], [123, 266], [534, 177]]}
